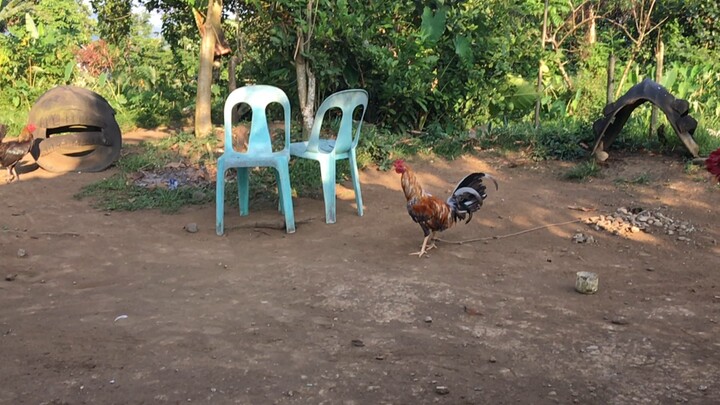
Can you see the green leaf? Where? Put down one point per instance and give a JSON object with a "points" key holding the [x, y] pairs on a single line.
{"points": [[69, 70], [463, 49], [668, 81], [102, 79], [433, 24], [31, 27]]}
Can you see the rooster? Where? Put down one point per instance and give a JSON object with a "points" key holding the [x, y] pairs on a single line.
{"points": [[12, 151], [435, 215]]}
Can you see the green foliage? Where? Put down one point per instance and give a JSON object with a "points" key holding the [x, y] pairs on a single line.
{"points": [[559, 140]]}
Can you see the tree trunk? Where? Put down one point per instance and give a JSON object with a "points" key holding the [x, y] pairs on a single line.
{"points": [[304, 73], [660, 56], [203, 103], [611, 79], [540, 66], [592, 29], [625, 74], [306, 92]]}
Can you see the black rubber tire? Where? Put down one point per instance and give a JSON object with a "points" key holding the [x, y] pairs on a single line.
{"points": [[69, 118]]}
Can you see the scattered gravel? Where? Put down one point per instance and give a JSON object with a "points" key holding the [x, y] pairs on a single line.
{"points": [[627, 221]]}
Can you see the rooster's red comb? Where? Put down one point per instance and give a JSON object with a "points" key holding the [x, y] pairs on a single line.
{"points": [[31, 127]]}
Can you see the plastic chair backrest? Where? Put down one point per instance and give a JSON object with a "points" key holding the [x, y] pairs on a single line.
{"points": [[347, 101], [258, 97]]}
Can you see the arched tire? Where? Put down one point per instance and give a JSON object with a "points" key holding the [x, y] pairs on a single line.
{"points": [[76, 131]]}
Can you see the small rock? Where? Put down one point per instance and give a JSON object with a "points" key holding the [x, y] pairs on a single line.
{"points": [[586, 282], [650, 269], [379, 357], [428, 319], [683, 239], [703, 388], [10, 277], [21, 253], [492, 359], [357, 343], [552, 393], [442, 390], [191, 227], [619, 320], [634, 229]]}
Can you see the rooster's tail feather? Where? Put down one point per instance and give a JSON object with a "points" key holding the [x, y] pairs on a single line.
{"points": [[469, 195]]}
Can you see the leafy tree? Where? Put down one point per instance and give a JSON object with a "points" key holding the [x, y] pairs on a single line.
{"points": [[39, 51], [207, 15], [114, 19], [11, 10]]}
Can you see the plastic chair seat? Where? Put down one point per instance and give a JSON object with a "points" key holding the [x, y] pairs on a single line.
{"points": [[299, 149]]}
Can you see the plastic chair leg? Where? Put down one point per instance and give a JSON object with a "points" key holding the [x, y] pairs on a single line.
{"points": [[286, 197], [327, 173], [280, 193], [356, 181], [220, 199], [243, 181]]}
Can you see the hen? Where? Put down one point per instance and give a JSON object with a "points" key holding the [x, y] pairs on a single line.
{"points": [[712, 164], [12, 151], [435, 215]]}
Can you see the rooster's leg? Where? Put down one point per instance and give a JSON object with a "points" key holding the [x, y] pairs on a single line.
{"points": [[14, 173], [432, 241], [425, 247], [10, 173]]}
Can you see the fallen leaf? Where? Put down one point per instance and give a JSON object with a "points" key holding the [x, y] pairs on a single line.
{"points": [[471, 311], [578, 208]]}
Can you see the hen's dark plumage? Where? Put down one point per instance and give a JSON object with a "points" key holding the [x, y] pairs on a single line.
{"points": [[435, 215], [12, 151]]}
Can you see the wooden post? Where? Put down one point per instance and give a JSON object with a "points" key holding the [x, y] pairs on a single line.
{"points": [[611, 79], [660, 56]]}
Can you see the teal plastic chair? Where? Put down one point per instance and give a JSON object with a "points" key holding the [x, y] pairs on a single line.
{"points": [[328, 151], [259, 152]]}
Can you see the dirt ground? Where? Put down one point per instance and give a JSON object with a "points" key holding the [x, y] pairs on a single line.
{"points": [[130, 308]]}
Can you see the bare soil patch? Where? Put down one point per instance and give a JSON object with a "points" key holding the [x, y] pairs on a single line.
{"points": [[129, 307]]}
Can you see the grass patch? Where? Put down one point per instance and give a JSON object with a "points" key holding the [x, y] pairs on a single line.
{"points": [[115, 194], [583, 170], [119, 193], [640, 179]]}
